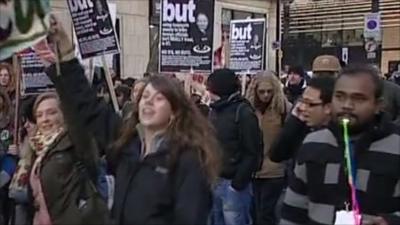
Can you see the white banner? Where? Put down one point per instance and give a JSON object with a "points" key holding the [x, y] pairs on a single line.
{"points": [[23, 23]]}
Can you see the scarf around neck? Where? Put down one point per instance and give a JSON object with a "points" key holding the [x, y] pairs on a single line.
{"points": [[39, 144]]}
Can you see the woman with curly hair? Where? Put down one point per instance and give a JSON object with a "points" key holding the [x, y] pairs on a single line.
{"points": [[7, 79], [266, 95]]}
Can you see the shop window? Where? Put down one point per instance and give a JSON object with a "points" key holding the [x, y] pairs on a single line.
{"points": [[231, 14], [241, 15], [155, 10], [331, 39], [226, 18], [258, 15], [352, 37]]}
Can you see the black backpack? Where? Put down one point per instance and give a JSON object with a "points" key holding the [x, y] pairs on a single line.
{"points": [[260, 157]]}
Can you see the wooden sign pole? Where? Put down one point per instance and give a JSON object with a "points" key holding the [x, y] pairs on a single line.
{"points": [[188, 82], [91, 71], [244, 76], [17, 76], [110, 84]]}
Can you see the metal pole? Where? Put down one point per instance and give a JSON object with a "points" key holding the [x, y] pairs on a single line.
{"points": [[278, 36], [17, 75], [374, 6]]}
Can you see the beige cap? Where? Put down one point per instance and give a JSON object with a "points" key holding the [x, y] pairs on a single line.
{"points": [[326, 63]]}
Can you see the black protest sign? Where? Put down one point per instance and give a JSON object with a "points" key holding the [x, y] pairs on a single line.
{"points": [[186, 35], [34, 78], [93, 27], [247, 42]]}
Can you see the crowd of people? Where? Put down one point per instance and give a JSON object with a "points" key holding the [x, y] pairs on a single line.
{"points": [[275, 154]]}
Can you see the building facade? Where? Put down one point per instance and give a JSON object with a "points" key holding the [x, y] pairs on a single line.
{"points": [[337, 26], [137, 26]]}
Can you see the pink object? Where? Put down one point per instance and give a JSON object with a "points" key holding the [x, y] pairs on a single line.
{"points": [[356, 208], [42, 216]]}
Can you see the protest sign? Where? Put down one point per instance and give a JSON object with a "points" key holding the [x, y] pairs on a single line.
{"points": [[22, 24], [113, 12], [247, 44], [93, 27], [186, 33], [34, 78]]}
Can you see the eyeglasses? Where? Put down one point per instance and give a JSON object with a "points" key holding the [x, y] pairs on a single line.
{"points": [[310, 104]]}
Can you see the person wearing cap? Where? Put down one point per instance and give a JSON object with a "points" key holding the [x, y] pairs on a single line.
{"points": [[295, 83], [326, 65], [239, 135]]}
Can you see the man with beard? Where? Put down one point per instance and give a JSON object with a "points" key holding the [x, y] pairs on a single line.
{"points": [[320, 188]]}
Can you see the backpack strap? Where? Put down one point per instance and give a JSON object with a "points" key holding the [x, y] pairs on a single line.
{"points": [[237, 119], [237, 114], [284, 115]]}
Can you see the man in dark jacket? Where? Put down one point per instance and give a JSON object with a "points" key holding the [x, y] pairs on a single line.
{"points": [[312, 111], [295, 84], [321, 190], [240, 141]]}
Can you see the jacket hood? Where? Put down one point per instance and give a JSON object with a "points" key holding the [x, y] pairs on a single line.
{"points": [[224, 102], [302, 85], [158, 143]]}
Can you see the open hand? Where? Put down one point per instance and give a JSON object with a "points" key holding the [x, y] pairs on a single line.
{"points": [[58, 38], [297, 112]]}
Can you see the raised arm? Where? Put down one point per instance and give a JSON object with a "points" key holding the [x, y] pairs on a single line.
{"points": [[75, 92]]}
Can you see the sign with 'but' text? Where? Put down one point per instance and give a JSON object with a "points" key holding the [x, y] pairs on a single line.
{"points": [[247, 45], [93, 26], [186, 35]]}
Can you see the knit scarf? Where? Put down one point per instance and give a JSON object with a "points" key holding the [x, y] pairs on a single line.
{"points": [[30, 150], [28, 172], [41, 144]]}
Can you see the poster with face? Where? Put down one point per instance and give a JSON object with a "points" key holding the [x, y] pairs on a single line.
{"points": [[93, 26], [247, 45], [186, 35]]}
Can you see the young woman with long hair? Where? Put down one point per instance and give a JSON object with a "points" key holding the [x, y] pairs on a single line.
{"points": [[7, 79], [165, 158], [266, 95]]}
